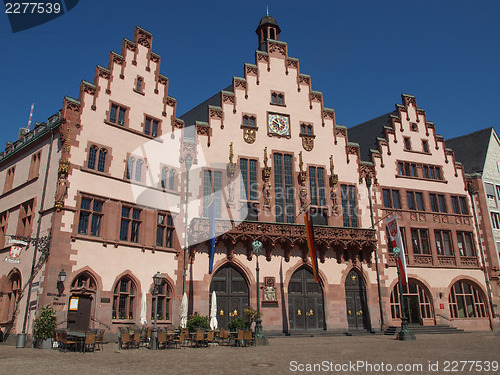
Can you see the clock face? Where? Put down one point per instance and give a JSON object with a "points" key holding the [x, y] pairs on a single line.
{"points": [[279, 125]]}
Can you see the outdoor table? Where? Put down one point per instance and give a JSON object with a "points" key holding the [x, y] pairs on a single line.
{"points": [[79, 336]]}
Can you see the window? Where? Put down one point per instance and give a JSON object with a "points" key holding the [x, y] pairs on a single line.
{"points": [[138, 84], [171, 179], [164, 230], [434, 202], [425, 146], [459, 205], [3, 228], [248, 187], [410, 196], [443, 242], [212, 182], [283, 188], [420, 201], [164, 172], [420, 241], [306, 129], [498, 191], [495, 220], [123, 299], [442, 203], [26, 215], [90, 213], [407, 169], [117, 114], [391, 198], [34, 166], [407, 143], [465, 244], [415, 200], [151, 126], [163, 307], [9, 179], [130, 224], [413, 291], [134, 169], [317, 185], [84, 281], [101, 160], [466, 301], [249, 121], [348, 195], [431, 172], [278, 98]]}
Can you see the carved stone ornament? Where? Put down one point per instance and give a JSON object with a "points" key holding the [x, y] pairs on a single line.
{"points": [[277, 47], [249, 135], [307, 142]]}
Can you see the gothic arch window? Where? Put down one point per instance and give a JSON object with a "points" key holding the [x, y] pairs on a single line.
{"points": [[164, 302], [466, 301], [101, 163], [84, 282], [124, 299], [171, 179], [164, 172]]}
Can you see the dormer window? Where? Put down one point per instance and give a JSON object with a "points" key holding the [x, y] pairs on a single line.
{"points": [[277, 98]]}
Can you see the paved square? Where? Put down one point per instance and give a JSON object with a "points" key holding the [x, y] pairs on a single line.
{"points": [[287, 355]]}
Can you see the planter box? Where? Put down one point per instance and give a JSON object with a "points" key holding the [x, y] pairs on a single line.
{"points": [[44, 344]]}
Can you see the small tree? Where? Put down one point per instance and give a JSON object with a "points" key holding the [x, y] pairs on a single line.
{"points": [[45, 323], [197, 322], [237, 324], [250, 315]]}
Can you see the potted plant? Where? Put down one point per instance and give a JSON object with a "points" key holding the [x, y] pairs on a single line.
{"points": [[237, 324], [45, 325], [196, 322], [250, 315]]}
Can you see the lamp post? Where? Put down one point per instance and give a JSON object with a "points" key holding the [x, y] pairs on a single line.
{"points": [[157, 280], [405, 334], [260, 339], [368, 180], [188, 162], [60, 281]]}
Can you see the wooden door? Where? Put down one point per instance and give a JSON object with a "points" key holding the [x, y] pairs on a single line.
{"points": [[305, 302], [356, 307], [79, 319]]}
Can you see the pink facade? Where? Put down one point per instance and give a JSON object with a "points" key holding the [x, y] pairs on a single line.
{"points": [[263, 150]]}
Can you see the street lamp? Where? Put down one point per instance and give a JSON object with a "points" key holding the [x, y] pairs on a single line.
{"points": [[157, 280], [260, 339], [60, 281], [368, 180], [405, 334], [188, 162]]}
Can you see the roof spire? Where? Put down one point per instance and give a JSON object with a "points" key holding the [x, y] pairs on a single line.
{"points": [[267, 10]]}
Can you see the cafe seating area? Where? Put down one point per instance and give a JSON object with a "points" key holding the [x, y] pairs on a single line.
{"points": [[169, 338], [79, 341]]}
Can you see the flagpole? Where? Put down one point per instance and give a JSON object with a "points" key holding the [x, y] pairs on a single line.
{"points": [[405, 334]]}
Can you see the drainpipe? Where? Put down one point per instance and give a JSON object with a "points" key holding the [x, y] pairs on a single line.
{"points": [[470, 190], [21, 338]]}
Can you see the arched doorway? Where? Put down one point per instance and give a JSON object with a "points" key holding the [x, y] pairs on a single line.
{"points": [[355, 298], [305, 301], [9, 298], [418, 303], [83, 289], [231, 289]]}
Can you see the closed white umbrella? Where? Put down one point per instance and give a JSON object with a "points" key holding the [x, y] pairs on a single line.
{"points": [[213, 313], [184, 311], [144, 314]]}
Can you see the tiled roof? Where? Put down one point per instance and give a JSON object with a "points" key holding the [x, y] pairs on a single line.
{"points": [[471, 149]]}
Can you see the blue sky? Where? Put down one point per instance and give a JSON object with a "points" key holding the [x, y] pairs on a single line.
{"points": [[361, 54]]}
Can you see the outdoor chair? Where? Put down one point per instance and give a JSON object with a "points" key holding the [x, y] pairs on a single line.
{"points": [[180, 340], [210, 338], [249, 339], [240, 339], [65, 342], [124, 339], [89, 343], [162, 340], [199, 338], [99, 339], [224, 337], [136, 339]]}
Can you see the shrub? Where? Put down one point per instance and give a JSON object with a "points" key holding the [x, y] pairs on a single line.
{"points": [[45, 323], [237, 324], [197, 322], [250, 315]]}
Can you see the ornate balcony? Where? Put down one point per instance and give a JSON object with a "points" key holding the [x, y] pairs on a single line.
{"points": [[348, 243]]}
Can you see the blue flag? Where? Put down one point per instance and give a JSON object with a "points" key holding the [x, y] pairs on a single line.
{"points": [[211, 230]]}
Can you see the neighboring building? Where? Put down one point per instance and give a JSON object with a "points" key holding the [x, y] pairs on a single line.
{"points": [[112, 198], [479, 152], [420, 180]]}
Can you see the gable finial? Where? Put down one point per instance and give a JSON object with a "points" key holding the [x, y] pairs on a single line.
{"points": [[267, 10]]}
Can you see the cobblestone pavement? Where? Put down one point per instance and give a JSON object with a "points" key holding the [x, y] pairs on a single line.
{"points": [[287, 355]]}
